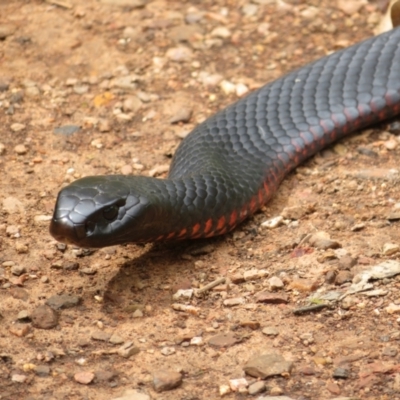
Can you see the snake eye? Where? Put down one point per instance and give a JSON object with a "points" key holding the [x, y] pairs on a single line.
{"points": [[110, 212]]}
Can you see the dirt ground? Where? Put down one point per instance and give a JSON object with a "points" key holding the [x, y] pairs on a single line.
{"points": [[89, 88]]}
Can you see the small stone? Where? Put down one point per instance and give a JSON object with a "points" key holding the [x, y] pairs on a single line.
{"points": [[132, 395], [129, 4], [267, 365], [237, 385], [390, 249], [341, 373], [319, 241], [115, 339], [390, 351], [20, 330], [223, 390], [132, 104], [179, 54], [392, 308], [101, 335], [270, 331], [126, 170], [66, 130], [18, 270], [234, 301], [257, 387], [21, 248], [182, 115], [58, 302], [128, 349], [44, 317], [221, 32], [223, 340], [84, 378], [271, 298], [196, 341], [18, 378], [137, 313], [167, 351], [250, 324], [42, 370], [80, 88], [275, 283], [343, 277], [19, 148], [273, 222], [13, 206], [23, 315], [105, 375], [254, 274], [347, 262], [294, 213], [166, 379]]}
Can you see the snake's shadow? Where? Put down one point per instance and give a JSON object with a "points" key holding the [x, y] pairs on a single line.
{"points": [[159, 271]]}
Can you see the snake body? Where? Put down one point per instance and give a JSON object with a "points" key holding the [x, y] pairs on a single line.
{"points": [[232, 163]]}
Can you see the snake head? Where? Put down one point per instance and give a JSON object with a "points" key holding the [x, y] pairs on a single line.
{"points": [[97, 211]]}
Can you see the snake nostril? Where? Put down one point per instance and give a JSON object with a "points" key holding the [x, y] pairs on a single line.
{"points": [[89, 227]]}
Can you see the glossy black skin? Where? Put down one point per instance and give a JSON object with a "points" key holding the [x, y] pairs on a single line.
{"points": [[240, 154]]}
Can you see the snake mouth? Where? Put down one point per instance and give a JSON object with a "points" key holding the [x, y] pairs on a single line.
{"points": [[65, 231]]}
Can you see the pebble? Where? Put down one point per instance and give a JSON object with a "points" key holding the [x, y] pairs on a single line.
{"points": [[228, 87], [132, 104], [127, 350], [271, 298], [66, 130], [167, 351], [257, 387], [101, 336], [234, 301], [16, 127], [273, 222], [210, 80], [223, 340], [19, 378], [182, 115], [2, 149], [115, 339], [84, 378], [21, 248], [343, 277], [179, 54], [390, 249], [23, 315], [130, 4], [392, 308], [221, 32], [80, 89], [132, 395], [224, 390], [63, 301], [270, 331], [321, 241], [13, 206], [44, 317], [196, 341], [237, 385], [275, 283], [42, 370], [267, 365], [18, 270], [137, 313], [166, 379], [20, 330], [126, 170], [254, 274]]}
